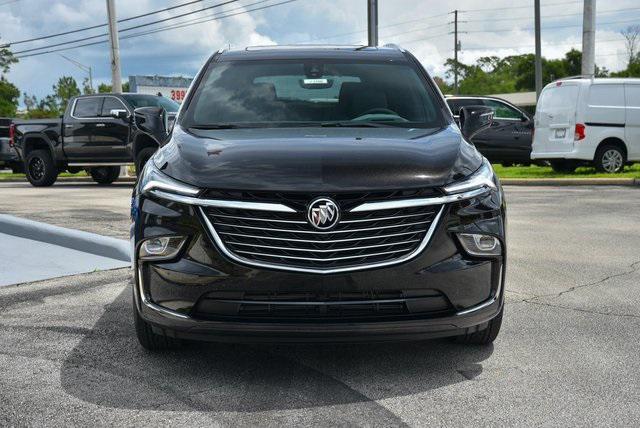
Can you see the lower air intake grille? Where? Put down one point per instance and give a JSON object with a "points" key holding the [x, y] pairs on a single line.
{"points": [[287, 240]]}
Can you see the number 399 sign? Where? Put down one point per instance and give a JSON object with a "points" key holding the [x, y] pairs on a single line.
{"points": [[178, 95]]}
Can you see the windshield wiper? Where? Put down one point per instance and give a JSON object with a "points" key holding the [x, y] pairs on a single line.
{"points": [[354, 125], [216, 126]]}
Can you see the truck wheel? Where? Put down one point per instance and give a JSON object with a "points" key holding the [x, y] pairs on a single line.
{"points": [[610, 159], [563, 166], [486, 336], [105, 174], [40, 169], [143, 156], [150, 340]]}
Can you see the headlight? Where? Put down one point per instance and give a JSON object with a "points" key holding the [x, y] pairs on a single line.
{"points": [[154, 179], [482, 178]]}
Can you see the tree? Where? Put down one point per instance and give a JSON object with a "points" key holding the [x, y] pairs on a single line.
{"points": [[40, 109], [105, 88], [631, 35], [87, 89], [9, 96], [64, 90]]}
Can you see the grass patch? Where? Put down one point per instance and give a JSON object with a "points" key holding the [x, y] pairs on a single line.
{"points": [[535, 171], [11, 176]]}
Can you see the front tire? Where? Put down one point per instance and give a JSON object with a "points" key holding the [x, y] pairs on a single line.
{"points": [[40, 168], [150, 340], [610, 159], [143, 157], [105, 174], [486, 336], [563, 166]]}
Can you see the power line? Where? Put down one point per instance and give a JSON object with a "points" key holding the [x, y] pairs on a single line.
{"points": [[553, 16], [124, 20], [131, 18], [157, 30], [505, 30], [129, 28], [518, 7]]}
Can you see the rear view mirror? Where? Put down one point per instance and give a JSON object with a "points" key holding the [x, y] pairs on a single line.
{"points": [[119, 114], [475, 119], [152, 121]]}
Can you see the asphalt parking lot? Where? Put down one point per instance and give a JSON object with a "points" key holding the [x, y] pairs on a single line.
{"points": [[568, 353]]}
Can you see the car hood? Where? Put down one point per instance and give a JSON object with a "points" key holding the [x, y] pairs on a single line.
{"points": [[318, 159]]}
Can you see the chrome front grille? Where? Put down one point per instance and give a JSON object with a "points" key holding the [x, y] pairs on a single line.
{"points": [[287, 241]]}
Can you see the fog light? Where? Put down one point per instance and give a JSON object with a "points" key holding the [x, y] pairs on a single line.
{"points": [[480, 245], [161, 248]]}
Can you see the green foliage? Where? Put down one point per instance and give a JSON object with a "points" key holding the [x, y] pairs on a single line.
{"points": [[516, 73], [64, 90], [9, 96], [40, 109], [87, 89], [104, 88]]}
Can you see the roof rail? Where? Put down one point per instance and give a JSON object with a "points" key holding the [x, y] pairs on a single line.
{"points": [[393, 46], [577, 76], [300, 46]]}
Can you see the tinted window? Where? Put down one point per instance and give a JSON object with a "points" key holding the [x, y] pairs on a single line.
{"points": [[111, 103], [455, 104], [88, 107], [310, 92], [141, 100], [502, 110]]}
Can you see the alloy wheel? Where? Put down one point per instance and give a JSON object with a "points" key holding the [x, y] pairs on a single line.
{"points": [[612, 161], [36, 168]]}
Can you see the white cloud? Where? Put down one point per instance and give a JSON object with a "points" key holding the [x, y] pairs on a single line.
{"points": [[422, 27]]}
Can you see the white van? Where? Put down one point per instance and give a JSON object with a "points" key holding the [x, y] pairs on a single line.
{"points": [[581, 121]]}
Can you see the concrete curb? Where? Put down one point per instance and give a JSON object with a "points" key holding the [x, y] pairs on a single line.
{"points": [[70, 180], [87, 242], [570, 181]]}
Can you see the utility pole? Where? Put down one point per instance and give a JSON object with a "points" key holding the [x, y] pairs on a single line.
{"points": [[455, 51], [538, 60], [372, 17], [116, 79], [589, 38]]}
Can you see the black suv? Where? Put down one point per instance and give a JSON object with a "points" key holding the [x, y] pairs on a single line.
{"points": [[317, 194], [508, 139]]}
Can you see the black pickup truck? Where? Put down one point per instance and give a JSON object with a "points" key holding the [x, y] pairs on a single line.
{"points": [[97, 133]]}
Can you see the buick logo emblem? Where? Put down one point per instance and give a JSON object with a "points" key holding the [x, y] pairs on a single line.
{"points": [[323, 213]]}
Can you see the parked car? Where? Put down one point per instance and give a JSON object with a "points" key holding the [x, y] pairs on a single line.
{"points": [[8, 156], [508, 140], [593, 122], [318, 194], [96, 133]]}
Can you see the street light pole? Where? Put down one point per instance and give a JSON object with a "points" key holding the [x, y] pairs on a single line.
{"points": [[372, 18], [116, 79], [538, 60], [82, 67]]}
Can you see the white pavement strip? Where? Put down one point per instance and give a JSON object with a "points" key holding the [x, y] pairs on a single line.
{"points": [[32, 251]]}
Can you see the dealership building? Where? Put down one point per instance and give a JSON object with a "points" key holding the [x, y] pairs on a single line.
{"points": [[170, 87]]}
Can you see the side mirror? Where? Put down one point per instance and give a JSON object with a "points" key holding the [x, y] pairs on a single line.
{"points": [[475, 119], [119, 114], [152, 121]]}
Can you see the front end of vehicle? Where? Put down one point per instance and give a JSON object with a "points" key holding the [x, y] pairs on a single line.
{"points": [[250, 265]]}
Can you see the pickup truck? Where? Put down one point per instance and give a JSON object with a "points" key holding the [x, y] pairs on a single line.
{"points": [[98, 133]]}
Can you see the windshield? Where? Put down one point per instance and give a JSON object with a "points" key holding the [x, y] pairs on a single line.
{"points": [[139, 100], [272, 93]]}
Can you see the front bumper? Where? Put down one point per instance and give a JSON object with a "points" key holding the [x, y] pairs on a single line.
{"points": [[462, 293]]}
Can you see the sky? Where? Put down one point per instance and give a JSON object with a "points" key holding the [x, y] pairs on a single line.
{"points": [[499, 27]]}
